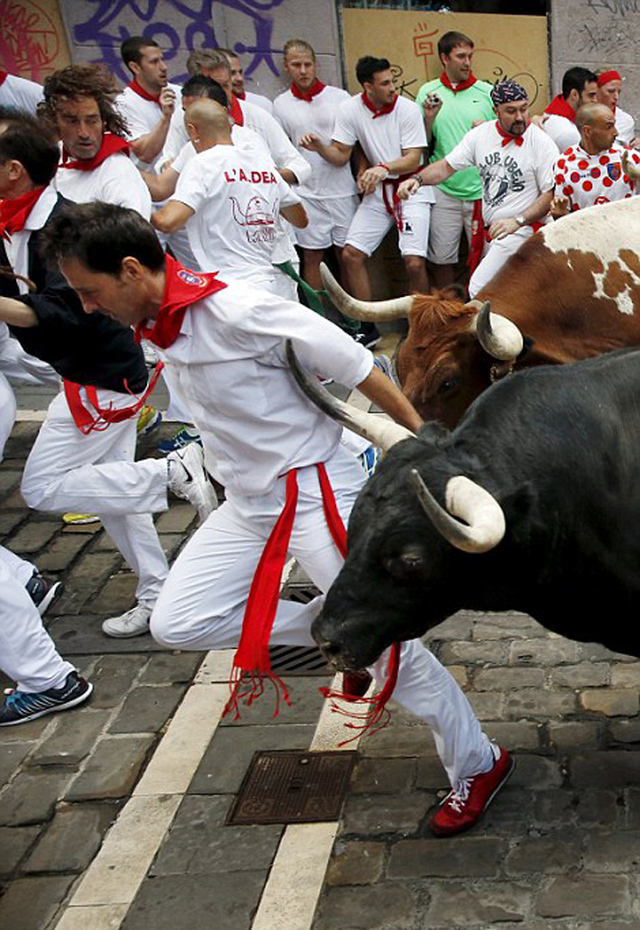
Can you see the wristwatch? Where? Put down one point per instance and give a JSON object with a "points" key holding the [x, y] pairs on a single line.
{"points": [[520, 220]]}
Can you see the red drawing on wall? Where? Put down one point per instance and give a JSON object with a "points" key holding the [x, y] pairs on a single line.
{"points": [[29, 40], [423, 46]]}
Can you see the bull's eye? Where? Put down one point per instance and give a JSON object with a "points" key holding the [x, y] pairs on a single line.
{"points": [[405, 566], [448, 386]]}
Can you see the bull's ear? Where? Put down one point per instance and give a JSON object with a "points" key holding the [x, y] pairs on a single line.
{"points": [[410, 564]]}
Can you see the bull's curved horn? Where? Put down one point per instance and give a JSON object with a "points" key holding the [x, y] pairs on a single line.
{"points": [[375, 310], [629, 168], [378, 430], [470, 502], [498, 336]]}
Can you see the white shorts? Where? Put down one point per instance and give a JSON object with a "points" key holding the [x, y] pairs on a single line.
{"points": [[449, 217], [372, 222], [329, 222]]}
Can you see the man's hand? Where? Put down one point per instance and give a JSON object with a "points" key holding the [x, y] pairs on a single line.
{"points": [[310, 142], [560, 206], [431, 106], [502, 228], [167, 101], [369, 179], [407, 188]]}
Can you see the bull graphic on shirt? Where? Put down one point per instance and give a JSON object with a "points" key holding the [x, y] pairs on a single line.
{"points": [[258, 212], [501, 175]]}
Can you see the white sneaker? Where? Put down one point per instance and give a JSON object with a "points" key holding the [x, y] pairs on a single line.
{"points": [[188, 479], [134, 622]]}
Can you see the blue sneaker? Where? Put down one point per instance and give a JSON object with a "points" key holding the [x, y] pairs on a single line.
{"points": [[182, 438], [42, 592], [369, 459], [22, 706], [148, 420]]}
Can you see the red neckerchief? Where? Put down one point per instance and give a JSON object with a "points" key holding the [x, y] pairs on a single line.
{"points": [[236, 111], [182, 289], [242, 96], [308, 95], [102, 417], [507, 137], [469, 82], [3, 77], [14, 213], [388, 108], [111, 144], [252, 663], [141, 92], [560, 107]]}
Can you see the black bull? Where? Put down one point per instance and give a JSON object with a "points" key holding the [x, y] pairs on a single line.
{"points": [[559, 450]]}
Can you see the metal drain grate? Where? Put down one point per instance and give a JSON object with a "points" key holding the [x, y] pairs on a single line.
{"points": [[293, 787], [298, 661]]}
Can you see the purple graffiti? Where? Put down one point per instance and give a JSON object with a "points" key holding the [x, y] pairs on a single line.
{"points": [[175, 26]]}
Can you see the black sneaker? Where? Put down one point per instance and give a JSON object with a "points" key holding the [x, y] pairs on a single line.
{"points": [[22, 706], [42, 592], [368, 335]]}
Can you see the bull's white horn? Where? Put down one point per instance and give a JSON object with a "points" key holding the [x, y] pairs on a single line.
{"points": [[372, 310], [629, 168], [498, 336], [470, 502], [377, 429]]}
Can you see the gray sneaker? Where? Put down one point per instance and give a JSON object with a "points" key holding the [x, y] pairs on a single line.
{"points": [[134, 622], [188, 479]]}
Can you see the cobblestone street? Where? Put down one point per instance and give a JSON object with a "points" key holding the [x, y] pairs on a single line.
{"points": [[113, 815]]}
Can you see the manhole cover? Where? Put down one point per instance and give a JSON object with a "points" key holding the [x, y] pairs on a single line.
{"points": [[293, 787]]}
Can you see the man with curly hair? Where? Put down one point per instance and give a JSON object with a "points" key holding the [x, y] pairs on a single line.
{"points": [[95, 165]]}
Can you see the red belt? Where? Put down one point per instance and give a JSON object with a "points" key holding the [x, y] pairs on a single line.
{"points": [[392, 203], [102, 417]]}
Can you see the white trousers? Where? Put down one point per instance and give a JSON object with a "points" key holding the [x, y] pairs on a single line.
{"points": [[202, 603], [95, 473], [494, 256], [27, 652]]}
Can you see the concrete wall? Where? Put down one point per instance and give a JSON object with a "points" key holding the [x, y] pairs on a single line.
{"points": [[255, 29], [596, 34]]}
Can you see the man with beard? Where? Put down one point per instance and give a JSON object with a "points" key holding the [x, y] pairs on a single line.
{"points": [[237, 83], [515, 160]]}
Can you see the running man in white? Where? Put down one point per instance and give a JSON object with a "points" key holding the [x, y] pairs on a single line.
{"points": [[229, 199], [515, 160], [330, 195], [278, 457]]}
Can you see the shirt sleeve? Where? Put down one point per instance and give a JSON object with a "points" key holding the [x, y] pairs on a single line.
{"points": [[464, 153], [125, 186], [288, 197], [191, 188], [284, 154], [344, 130], [186, 153], [412, 131], [545, 159]]}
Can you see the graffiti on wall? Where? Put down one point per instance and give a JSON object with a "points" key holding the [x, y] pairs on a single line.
{"points": [[32, 41], [176, 26]]}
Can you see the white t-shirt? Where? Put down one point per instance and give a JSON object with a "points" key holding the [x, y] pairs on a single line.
{"points": [[625, 126], [280, 148], [116, 180], [236, 196], [594, 179], [563, 132], [512, 176], [142, 116], [298, 117], [257, 100], [255, 423], [20, 93], [17, 244]]}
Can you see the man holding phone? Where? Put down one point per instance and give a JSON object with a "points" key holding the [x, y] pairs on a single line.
{"points": [[452, 104]]}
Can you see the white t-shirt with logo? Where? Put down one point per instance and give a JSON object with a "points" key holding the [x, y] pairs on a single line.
{"points": [[588, 180], [236, 195], [512, 175], [116, 180], [20, 93], [298, 117]]}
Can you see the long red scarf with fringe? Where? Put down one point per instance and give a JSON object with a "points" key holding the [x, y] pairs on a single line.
{"points": [[252, 662], [99, 418]]}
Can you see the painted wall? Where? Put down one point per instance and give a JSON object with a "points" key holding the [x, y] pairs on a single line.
{"points": [[596, 34], [33, 43]]}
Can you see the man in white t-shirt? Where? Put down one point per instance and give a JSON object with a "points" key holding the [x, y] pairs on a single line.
{"points": [[237, 83], [95, 163], [229, 199], [330, 195], [148, 101], [515, 160], [19, 93], [390, 130], [592, 172], [579, 86]]}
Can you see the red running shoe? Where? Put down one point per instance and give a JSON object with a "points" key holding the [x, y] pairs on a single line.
{"points": [[466, 803]]}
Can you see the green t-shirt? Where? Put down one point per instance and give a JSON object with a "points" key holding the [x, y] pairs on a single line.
{"points": [[456, 115]]}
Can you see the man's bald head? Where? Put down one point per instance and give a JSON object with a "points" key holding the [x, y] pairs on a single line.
{"points": [[590, 113], [207, 123], [597, 126]]}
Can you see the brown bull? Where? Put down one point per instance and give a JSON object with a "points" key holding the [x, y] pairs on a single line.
{"points": [[572, 291]]}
